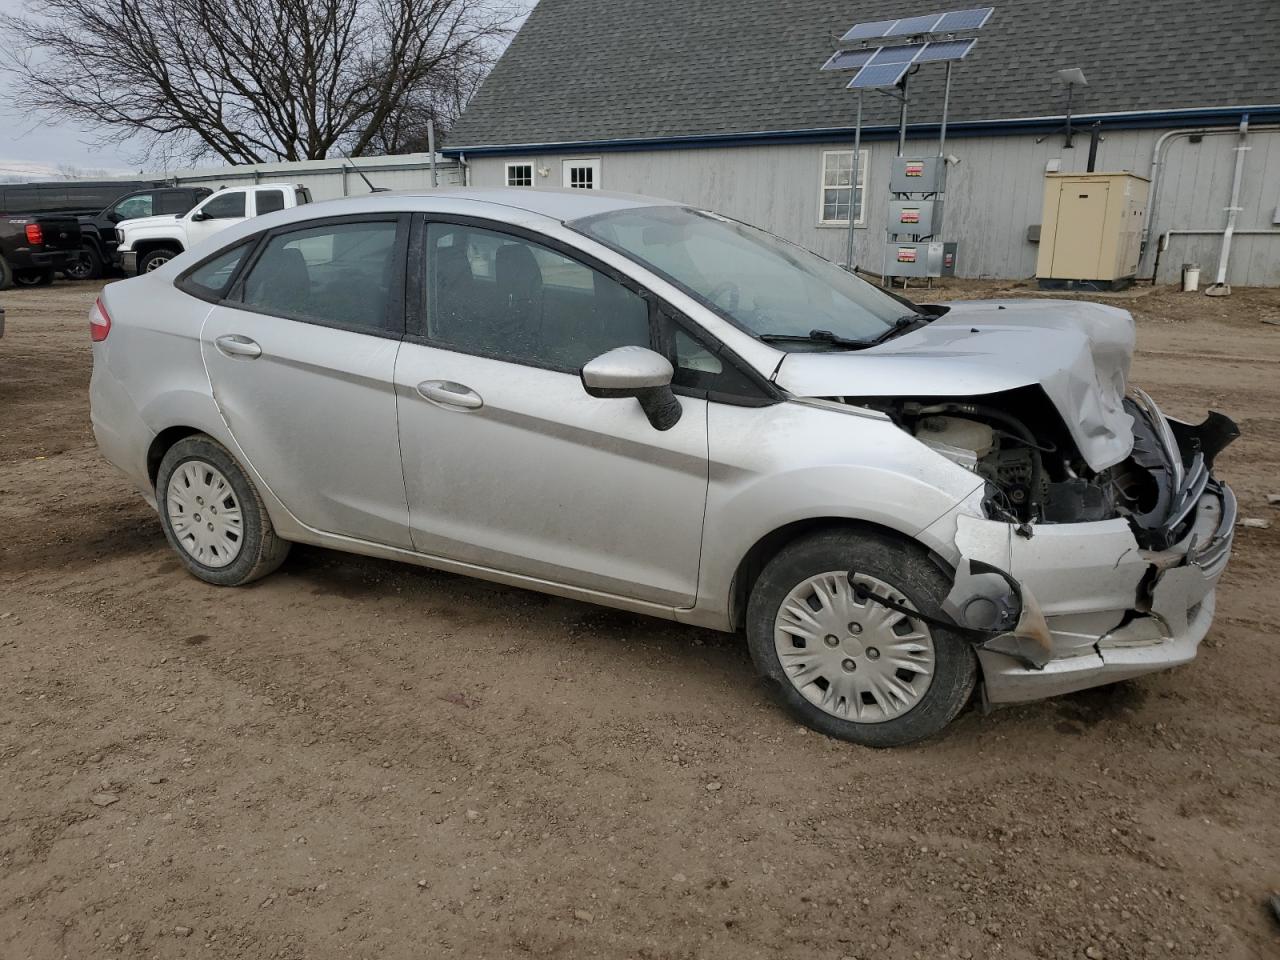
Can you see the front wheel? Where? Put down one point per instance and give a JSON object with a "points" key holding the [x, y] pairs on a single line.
{"points": [[155, 259], [213, 516], [846, 665]]}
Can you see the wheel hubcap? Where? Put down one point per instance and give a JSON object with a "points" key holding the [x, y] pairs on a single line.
{"points": [[880, 663], [204, 513], [155, 263]]}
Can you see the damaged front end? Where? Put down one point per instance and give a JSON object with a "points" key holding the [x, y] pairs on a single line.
{"points": [[1072, 577]]}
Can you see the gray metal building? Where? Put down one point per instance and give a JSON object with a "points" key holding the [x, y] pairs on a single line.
{"points": [[722, 105]]}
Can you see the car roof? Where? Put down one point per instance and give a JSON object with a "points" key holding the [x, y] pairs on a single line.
{"points": [[557, 203]]}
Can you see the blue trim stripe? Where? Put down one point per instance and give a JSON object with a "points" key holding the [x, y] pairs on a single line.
{"points": [[970, 128]]}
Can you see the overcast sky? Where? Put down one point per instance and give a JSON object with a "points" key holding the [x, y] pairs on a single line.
{"points": [[31, 144], [31, 140]]}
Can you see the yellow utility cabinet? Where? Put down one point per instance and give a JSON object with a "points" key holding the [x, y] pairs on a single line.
{"points": [[1092, 226]]}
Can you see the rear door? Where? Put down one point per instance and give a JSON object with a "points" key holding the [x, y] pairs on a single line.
{"points": [[301, 357], [508, 463]]}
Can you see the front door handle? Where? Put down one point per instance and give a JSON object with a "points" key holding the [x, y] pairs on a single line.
{"points": [[234, 345], [446, 393]]}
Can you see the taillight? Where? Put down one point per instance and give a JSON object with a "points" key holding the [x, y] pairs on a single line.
{"points": [[99, 322], [35, 234]]}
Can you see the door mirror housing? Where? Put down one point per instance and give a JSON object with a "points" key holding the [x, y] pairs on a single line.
{"points": [[199, 215], [635, 372]]}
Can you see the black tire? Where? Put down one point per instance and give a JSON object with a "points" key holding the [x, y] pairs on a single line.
{"points": [[906, 568], [87, 266], [155, 258], [260, 551], [33, 278], [6, 274]]}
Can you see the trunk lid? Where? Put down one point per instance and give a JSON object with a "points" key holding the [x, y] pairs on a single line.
{"points": [[1077, 352]]}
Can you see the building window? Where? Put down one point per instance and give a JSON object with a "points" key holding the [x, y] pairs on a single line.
{"points": [[519, 174], [837, 190]]}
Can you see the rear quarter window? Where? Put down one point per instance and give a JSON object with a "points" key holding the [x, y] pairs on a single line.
{"points": [[212, 279]]}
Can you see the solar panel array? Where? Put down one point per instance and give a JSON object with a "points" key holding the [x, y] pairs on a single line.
{"points": [[943, 50], [882, 75], [950, 22], [848, 59], [886, 66]]}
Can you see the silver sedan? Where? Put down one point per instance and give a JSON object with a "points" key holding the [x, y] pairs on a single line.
{"points": [[656, 408]]}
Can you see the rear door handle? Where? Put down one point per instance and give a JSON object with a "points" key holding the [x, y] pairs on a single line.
{"points": [[234, 345], [446, 393]]}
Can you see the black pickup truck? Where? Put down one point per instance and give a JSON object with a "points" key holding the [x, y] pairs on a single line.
{"points": [[35, 246], [99, 230], [99, 206]]}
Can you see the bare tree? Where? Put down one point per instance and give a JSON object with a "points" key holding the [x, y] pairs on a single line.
{"points": [[253, 81]]}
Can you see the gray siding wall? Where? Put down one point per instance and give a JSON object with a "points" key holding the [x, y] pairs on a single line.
{"points": [[993, 195]]}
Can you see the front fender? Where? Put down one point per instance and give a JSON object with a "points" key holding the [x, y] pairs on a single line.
{"points": [[771, 467]]}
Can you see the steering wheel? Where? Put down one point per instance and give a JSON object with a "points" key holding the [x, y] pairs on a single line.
{"points": [[729, 290]]}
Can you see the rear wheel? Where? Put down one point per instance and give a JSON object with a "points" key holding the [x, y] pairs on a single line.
{"points": [[6, 274], [155, 259], [86, 266], [213, 516], [846, 665], [33, 278]]}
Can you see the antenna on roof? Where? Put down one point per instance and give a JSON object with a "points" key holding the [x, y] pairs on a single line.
{"points": [[372, 188], [931, 38], [1073, 77]]}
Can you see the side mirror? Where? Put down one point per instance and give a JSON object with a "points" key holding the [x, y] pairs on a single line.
{"points": [[635, 372], [199, 215]]}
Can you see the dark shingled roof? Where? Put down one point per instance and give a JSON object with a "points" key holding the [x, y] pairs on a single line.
{"points": [[594, 70]]}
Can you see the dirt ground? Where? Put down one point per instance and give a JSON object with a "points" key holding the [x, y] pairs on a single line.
{"points": [[359, 759]]}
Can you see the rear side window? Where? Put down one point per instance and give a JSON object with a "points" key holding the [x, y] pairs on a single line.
{"points": [[339, 275], [141, 205], [212, 279], [269, 201]]}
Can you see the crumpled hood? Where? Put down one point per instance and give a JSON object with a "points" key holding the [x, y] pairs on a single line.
{"points": [[1078, 352]]}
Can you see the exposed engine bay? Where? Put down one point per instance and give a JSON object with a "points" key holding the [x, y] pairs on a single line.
{"points": [[1035, 474]]}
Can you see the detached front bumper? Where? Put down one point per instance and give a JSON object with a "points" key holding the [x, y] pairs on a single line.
{"points": [[1112, 608]]}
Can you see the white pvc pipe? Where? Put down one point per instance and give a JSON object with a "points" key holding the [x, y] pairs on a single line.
{"points": [[1233, 210], [1157, 163]]}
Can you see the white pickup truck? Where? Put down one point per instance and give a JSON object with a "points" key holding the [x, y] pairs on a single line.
{"points": [[147, 242]]}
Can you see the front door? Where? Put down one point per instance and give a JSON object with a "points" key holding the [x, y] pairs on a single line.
{"points": [[581, 174], [220, 211], [508, 463], [301, 357]]}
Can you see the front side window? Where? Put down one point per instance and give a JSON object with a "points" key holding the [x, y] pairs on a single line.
{"points": [[519, 174], [224, 207], [757, 281], [338, 274], [269, 201], [838, 190], [500, 295], [212, 279], [142, 205]]}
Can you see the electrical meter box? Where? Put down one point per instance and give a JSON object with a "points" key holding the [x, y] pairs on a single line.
{"points": [[1091, 228], [931, 258], [915, 218], [924, 175]]}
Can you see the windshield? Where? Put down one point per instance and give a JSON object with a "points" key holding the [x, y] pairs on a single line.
{"points": [[761, 283]]}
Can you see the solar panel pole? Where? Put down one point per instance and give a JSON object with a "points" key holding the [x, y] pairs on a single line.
{"points": [[902, 118], [853, 191], [946, 100]]}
